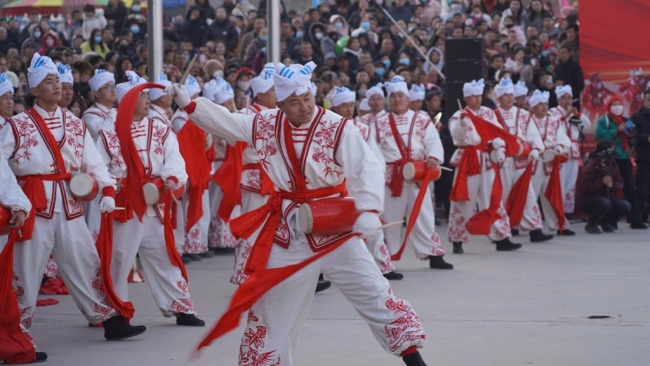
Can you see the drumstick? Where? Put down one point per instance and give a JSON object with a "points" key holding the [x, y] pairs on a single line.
{"points": [[188, 69], [390, 224], [460, 106], [436, 119], [120, 208], [445, 168]]}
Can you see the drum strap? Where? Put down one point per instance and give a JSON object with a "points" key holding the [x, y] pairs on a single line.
{"points": [[397, 181]]}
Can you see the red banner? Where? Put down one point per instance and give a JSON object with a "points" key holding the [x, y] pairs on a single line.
{"points": [[614, 53]]}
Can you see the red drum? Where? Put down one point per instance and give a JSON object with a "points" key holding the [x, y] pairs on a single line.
{"points": [[524, 149], [154, 189], [328, 216], [5, 217], [563, 158], [416, 170], [83, 187]]}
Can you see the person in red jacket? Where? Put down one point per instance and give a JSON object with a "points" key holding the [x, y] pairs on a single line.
{"points": [[599, 189]]}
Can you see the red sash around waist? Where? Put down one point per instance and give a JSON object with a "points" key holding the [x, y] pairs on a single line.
{"points": [[266, 184], [469, 165], [34, 189]]}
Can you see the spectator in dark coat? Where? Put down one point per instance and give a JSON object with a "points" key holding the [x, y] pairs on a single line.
{"points": [[401, 9], [115, 12], [208, 10], [5, 43], [642, 121], [570, 73], [222, 29], [195, 26]]}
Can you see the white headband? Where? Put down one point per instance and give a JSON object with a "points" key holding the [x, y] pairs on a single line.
{"points": [[473, 88], [223, 93], [156, 93], [192, 86], [210, 89], [521, 90], [123, 88], [342, 95], [538, 97], [364, 106], [101, 78], [65, 74], [505, 86], [41, 67], [397, 85], [5, 85], [264, 82], [417, 92], [563, 89], [375, 90], [295, 79]]}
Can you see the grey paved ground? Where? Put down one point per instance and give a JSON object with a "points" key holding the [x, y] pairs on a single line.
{"points": [[528, 307]]}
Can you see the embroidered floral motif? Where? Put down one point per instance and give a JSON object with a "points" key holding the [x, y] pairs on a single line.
{"points": [[253, 343], [27, 138], [193, 241], [51, 269], [75, 131], [158, 139], [242, 253], [437, 249], [182, 285], [457, 231], [323, 145], [406, 330], [265, 137], [178, 306]]}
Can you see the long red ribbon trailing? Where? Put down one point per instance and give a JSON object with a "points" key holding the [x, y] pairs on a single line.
{"points": [[15, 346], [170, 240], [516, 201], [554, 194], [481, 223], [228, 177], [198, 170]]}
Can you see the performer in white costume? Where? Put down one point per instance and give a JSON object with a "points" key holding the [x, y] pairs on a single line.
{"points": [[518, 122], [472, 186], [418, 140], [364, 108], [6, 99], [101, 114], [61, 147], [521, 95], [194, 221], [66, 80], [309, 153], [569, 173], [377, 103], [158, 152], [556, 144], [343, 104], [416, 97], [220, 238], [160, 102]]}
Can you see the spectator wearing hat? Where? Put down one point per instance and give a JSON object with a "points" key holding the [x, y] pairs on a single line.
{"points": [[612, 126]]}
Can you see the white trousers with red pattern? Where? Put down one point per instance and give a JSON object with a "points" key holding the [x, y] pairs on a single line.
{"points": [[249, 201], [147, 238], [480, 188], [424, 239], [74, 250], [532, 217], [194, 241], [540, 183], [219, 233], [569, 176], [275, 321]]}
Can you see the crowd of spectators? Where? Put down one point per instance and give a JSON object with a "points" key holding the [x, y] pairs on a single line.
{"points": [[353, 41]]}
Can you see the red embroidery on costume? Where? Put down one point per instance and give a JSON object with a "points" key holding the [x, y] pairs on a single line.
{"points": [[265, 138], [457, 230], [179, 306], [27, 138], [20, 294], [182, 285], [404, 330], [437, 249], [75, 132], [26, 321], [158, 139]]}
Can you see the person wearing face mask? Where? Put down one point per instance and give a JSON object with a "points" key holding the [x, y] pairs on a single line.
{"points": [[48, 41], [95, 44], [92, 19], [255, 46], [243, 78], [614, 126], [136, 21]]}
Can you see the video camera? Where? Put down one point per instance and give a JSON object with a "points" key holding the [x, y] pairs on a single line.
{"points": [[630, 128], [604, 155]]}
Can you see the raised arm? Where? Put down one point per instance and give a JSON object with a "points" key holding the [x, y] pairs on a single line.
{"points": [[11, 195], [433, 144]]}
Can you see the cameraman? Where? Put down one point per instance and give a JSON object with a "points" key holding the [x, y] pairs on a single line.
{"points": [[613, 126], [599, 185], [642, 121]]}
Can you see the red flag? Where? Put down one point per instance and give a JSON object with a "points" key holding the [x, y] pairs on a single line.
{"points": [[481, 223], [489, 131], [517, 198]]}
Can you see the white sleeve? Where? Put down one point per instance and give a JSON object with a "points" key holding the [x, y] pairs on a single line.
{"points": [[93, 164], [94, 123], [7, 141], [586, 123], [432, 144], [11, 195], [218, 121], [177, 124], [562, 139], [372, 143], [174, 163], [533, 136], [363, 172], [457, 130]]}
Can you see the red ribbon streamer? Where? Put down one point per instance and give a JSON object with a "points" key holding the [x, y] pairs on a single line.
{"points": [[198, 169], [516, 201], [481, 223], [228, 177]]}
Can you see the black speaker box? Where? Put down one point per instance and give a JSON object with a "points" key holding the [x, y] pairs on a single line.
{"points": [[464, 49], [453, 93], [465, 70]]}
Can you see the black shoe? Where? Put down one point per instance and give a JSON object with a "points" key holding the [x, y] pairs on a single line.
{"points": [[458, 247], [117, 328], [207, 254], [570, 217], [40, 357], [189, 320], [638, 225], [566, 232], [506, 245], [320, 277], [224, 251], [322, 286], [185, 259], [514, 232], [614, 225], [192, 257], [537, 236], [437, 222], [607, 228], [392, 275], [644, 216], [414, 359], [592, 229], [438, 262]]}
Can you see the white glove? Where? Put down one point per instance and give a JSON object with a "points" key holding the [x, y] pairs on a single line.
{"points": [[498, 155], [497, 143], [464, 121], [173, 185], [534, 155], [367, 224], [107, 204], [548, 155], [180, 94]]}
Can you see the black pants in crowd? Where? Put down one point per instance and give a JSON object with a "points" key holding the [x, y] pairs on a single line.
{"points": [[442, 188], [629, 190], [602, 210], [643, 186]]}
